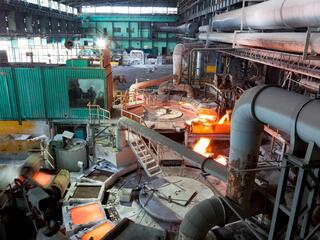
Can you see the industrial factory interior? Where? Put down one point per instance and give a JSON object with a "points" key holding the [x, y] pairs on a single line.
{"points": [[159, 119]]}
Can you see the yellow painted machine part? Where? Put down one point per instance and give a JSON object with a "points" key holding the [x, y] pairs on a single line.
{"points": [[18, 146], [211, 69], [8, 145], [13, 127]]}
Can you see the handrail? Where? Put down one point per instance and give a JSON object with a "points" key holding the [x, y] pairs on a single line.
{"points": [[100, 113], [141, 121], [132, 116], [149, 146]]}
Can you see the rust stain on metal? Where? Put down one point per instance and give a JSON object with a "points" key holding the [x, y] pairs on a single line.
{"points": [[240, 183]]}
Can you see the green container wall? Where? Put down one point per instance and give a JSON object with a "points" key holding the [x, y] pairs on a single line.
{"points": [[41, 93], [8, 106], [77, 63]]}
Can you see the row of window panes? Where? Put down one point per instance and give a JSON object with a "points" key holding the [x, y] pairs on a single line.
{"points": [[42, 52], [54, 5], [130, 10]]}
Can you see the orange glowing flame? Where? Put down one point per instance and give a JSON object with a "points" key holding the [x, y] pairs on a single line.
{"points": [[98, 233], [208, 122], [86, 214], [221, 159], [43, 179], [223, 119], [201, 146], [207, 117]]}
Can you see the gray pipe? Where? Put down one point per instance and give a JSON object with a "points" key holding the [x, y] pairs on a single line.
{"points": [[261, 105], [204, 28], [209, 166], [282, 41], [188, 28], [273, 14], [201, 218]]}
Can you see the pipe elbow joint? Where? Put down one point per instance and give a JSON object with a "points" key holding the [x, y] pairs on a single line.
{"points": [[201, 218]]}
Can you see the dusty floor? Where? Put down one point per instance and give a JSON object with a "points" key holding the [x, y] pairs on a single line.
{"points": [[140, 73]]}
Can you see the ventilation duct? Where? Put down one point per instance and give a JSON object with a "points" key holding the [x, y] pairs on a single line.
{"points": [[282, 41], [273, 14]]}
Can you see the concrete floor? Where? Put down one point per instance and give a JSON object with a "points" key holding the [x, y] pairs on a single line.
{"points": [[140, 73]]}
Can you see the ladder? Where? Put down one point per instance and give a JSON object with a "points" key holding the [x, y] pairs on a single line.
{"points": [[303, 202], [144, 154]]}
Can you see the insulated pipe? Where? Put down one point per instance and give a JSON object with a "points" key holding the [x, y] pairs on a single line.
{"points": [[204, 28], [178, 62], [188, 28], [273, 14], [201, 218], [210, 166], [169, 86], [287, 111], [280, 41], [149, 83], [199, 65]]}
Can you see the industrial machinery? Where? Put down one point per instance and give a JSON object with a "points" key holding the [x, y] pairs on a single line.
{"points": [[224, 146]]}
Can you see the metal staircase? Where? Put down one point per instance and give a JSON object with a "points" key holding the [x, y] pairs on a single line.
{"points": [[144, 153]]}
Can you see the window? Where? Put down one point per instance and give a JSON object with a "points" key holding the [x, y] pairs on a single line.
{"points": [[84, 91], [129, 10], [116, 29], [130, 30]]}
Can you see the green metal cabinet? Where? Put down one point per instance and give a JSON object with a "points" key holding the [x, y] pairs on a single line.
{"points": [[42, 92]]}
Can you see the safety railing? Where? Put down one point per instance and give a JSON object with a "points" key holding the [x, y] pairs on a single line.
{"points": [[151, 147], [139, 119], [133, 116], [97, 114], [124, 99]]}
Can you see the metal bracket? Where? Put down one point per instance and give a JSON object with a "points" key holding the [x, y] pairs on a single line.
{"points": [[313, 55]]}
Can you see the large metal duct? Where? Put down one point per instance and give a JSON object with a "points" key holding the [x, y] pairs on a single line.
{"points": [[279, 108], [170, 86], [149, 83], [210, 166], [201, 218], [289, 112], [282, 41], [273, 14], [178, 62], [188, 28]]}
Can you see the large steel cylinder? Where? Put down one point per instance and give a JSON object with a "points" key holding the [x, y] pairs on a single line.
{"points": [[60, 183], [273, 14], [188, 28], [281, 41], [69, 158]]}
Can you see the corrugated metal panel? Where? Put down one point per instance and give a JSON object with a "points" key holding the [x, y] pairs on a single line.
{"points": [[77, 63], [37, 95], [30, 92], [57, 93], [8, 105]]}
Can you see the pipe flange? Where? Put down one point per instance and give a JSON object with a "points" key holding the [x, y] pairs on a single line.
{"points": [[294, 119], [203, 171], [256, 95]]}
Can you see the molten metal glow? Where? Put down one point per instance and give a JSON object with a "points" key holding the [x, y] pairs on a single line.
{"points": [[98, 233], [43, 179], [207, 117], [86, 214], [223, 119], [221, 159], [201, 146]]}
